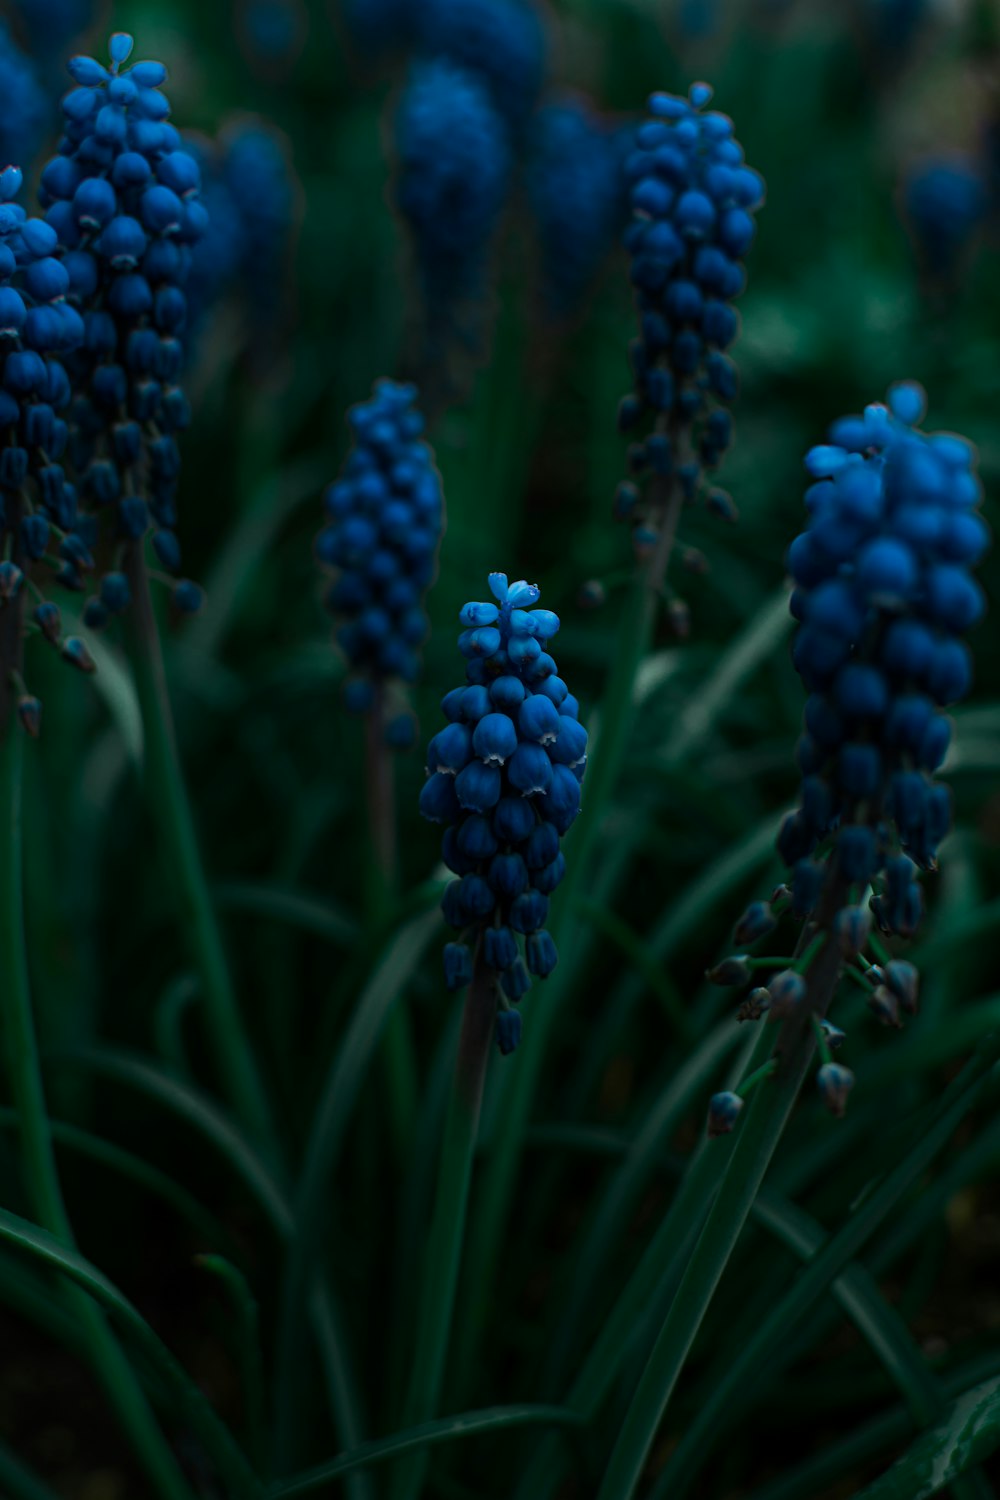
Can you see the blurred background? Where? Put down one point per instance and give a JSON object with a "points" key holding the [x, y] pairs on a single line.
{"points": [[876, 124]]}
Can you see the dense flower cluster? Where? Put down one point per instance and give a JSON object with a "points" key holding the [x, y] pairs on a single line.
{"points": [[38, 509], [693, 201], [945, 201], [577, 191], [454, 168], [122, 198], [386, 514], [884, 595], [504, 776], [23, 106]]}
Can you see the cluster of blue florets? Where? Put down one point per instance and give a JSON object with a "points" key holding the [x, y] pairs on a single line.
{"points": [[577, 190], [386, 514], [693, 200], [884, 594], [504, 776], [945, 202], [121, 196], [39, 517], [454, 167], [23, 105]]}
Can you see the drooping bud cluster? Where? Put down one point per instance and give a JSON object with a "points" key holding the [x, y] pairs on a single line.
{"points": [[693, 201], [40, 526], [504, 776], [945, 202], [884, 594], [386, 514], [23, 106], [122, 198], [576, 186], [454, 170]]}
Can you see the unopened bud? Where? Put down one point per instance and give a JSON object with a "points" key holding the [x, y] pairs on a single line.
{"points": [[903, 979], [75, 652], [723, 1112], [731, 971], [756, 922], [592, 594], [29, 711], [884, 1006], [756, 1003], [787, 991], [852, 926], [835, 1083]]}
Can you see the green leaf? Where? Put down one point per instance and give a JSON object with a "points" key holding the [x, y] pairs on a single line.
{"points": [[967, 1436], [209, 1428], [426, 1435], [312, 914], [18, 1482]]}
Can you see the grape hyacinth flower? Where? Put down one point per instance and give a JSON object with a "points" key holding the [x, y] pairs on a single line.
{"points": [[884, 595], [944, 201], [272, 34], [501, 42], [504, 777], [122, 197], [41, 535], [386, 515], [693, 200], [23, 105], [454, 172], [576, 186]]}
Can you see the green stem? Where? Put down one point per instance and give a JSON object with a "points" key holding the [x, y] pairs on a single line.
{"points": [[398, 1053], [447, 1232], [171, 810], [38, 1159], [755, 1146]]}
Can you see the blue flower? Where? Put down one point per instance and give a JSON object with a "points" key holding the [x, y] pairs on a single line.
{"points": [[454, 169], [693, 200], [385, 518], [39, 512], [944, 200], [576, 186], [24, 107], [503, 42], [504, 777], [884, 592], [121, 200]]}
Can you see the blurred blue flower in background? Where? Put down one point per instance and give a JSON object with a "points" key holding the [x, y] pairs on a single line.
{"points": [[385, 519], [451, 186], [504, 777], [576, 185], [24, 107], [504, 42], [944, 200], [272, 34], [51, 26]]}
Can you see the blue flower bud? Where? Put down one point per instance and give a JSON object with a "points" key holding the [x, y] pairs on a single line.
{"points": [[515, 982], [478, 786], [495, 739], [852, 928], [731, 971], [508, 1031], [723, 1112], [756, 922], [499, 948], [787, 991], [457, 965], [835, 1083]]}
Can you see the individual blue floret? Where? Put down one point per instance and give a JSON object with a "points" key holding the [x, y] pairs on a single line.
{"points": [[385, 518], [884, 594], [504, 777], [453, 177], [944, 200], [693, 200], [121, 201], [576, 186], [24, 108]]}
